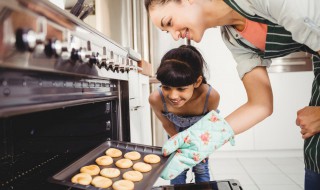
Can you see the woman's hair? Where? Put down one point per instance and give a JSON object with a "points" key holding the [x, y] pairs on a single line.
{"points": [[149, 3], [181, 66]]}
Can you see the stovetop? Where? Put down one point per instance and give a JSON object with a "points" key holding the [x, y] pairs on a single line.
{"points": [[37, 35]]}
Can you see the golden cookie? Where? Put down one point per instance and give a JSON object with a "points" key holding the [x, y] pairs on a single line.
{"points": [[123, 185], [133, 176], [124, 163], [133, 155], [110, 172], [91, 169], [82, 179], [104, 160], [142, 167], [152, 158], [113, 152], [101, 182]]}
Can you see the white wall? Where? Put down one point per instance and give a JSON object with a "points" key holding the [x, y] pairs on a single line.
{"points": [[291, 92]]}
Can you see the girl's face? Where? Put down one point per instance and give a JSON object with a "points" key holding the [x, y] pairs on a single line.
{"points": [[181, 20], [177, 96]]}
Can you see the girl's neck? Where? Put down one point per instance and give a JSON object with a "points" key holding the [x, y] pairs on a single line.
{"points": [[197, 92]]}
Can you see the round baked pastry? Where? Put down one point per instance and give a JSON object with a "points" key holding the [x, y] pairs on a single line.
{"points": [[142, 167], [110, 172], [82, 179], [91, 169], [152, 158], [133, 176], [101, 182], [113, 152], [123, 185], [124, 163], [133, 155], [104, 160]]}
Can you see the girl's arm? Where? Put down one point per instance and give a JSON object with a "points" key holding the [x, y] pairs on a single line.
{"points": [[156, 105], [260, 101], [166, 124], [214, 100]]}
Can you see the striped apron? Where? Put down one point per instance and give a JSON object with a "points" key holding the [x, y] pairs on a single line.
{"points": [[279, 43]]}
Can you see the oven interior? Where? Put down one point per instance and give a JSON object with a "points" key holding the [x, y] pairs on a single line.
{"points": [[49, 120], [63, 91], [35, 146]]}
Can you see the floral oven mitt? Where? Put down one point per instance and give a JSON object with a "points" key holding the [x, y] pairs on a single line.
{"points": [[196, 143]]}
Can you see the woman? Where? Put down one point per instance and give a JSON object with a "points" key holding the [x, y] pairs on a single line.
{"points": [[256, 31], [183, 98]]}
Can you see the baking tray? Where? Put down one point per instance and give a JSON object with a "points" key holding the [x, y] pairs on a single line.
{"points": [[149, 178]]}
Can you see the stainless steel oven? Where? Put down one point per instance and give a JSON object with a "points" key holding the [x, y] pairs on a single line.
{"points": [[63, 91]]}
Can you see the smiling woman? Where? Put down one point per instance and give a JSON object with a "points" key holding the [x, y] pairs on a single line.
{"points": [[179, 19], [287, 26]]}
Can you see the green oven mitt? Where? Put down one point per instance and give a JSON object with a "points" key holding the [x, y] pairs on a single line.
{"points": [[196, 143]]}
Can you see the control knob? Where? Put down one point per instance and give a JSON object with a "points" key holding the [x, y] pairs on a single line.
{"points": [[116, 64], [122, 64], [26, 39], [132, 66], [79, 55], [53, 48], [103, 59], [110, 64], [95, 59], [127, 67], [65, 52]]}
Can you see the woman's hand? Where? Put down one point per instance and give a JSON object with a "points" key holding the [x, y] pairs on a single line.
{"points": [[196, 143], [308, 119]]}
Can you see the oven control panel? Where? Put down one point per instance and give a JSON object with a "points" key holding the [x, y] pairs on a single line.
{"points": [[38, 35]]}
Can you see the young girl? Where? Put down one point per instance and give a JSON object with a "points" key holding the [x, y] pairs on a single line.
{"points": [[183, 98]]}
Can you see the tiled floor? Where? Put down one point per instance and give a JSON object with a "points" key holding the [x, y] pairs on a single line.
{"points": [[278, 173], [258, 171]]}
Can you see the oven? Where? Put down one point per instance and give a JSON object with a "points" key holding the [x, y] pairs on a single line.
{"points": [[64, 98], [64, 91]]}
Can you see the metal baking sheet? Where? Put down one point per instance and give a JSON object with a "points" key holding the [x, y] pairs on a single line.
{"points": [[149, 178]]}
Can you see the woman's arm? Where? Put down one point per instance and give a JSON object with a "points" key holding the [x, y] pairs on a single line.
{"points": [[260, 101], [156, 105]]}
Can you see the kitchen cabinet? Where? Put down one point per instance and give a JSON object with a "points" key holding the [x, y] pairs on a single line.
{"points": [[140, 115]]}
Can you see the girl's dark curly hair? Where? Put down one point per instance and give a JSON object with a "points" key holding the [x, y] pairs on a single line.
{"points": [[181, 67]]}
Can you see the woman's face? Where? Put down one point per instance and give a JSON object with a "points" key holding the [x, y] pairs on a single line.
{"points": [[177, 96], [181, 20]]}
